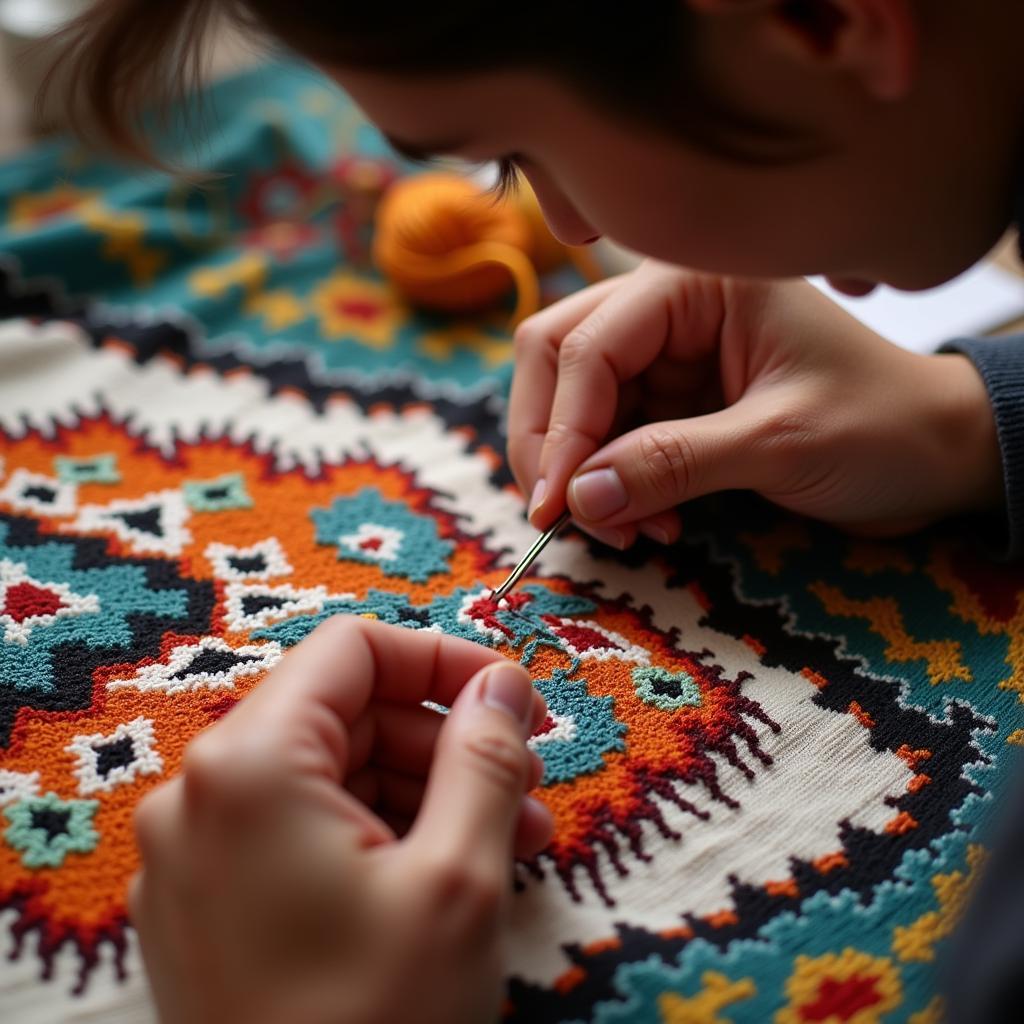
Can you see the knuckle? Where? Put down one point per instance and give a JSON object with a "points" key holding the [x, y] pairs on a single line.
{"points": [[498, 759], [217, 770], [559, 433], [204, 760], [668, 464], [527, 335], [787, 439], [453, 884], [577, 346]]}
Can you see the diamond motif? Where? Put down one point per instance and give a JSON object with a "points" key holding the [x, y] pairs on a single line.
{"points": [[257, 562], [98, 469], [104, 762], [253, 606], [372, 540], [226, 492], [41, 495], [209, 664], [666, 690]]}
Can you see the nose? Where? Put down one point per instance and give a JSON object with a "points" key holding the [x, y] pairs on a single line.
{"points": [[567, 224]]}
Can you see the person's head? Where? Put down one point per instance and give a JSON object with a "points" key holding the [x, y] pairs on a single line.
{"points": [[864, 139]]}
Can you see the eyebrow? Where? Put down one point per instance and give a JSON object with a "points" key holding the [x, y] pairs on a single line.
{"points": [[421, 152]]}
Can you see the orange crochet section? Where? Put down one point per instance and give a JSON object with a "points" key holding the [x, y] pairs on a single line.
{"points": [[207, 562]]}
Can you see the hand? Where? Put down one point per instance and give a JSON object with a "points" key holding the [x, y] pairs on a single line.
{"points": [[271, 893], [738, 384]]}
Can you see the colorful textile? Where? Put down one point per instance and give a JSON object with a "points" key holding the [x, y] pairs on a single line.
{"points": [[772, 753]]}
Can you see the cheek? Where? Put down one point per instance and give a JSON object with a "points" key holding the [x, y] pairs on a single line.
{"points": [[709, 231]]}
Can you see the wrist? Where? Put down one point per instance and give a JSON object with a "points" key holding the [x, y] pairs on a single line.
{"points": [[969, 462]]}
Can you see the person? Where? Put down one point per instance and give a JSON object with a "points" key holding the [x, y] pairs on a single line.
{"points": [[739, 145]]}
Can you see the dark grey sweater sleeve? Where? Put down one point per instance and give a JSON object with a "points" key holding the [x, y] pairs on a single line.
{"points": [[1000, 361]]}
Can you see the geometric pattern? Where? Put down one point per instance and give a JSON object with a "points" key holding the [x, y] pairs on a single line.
{"points": [[209, 662], [253, 605], [38, 494], [27, 603], [97, 469], [17, 785], [117, 758], [368, 528], [45, 829], [152, 524], [258, 561], [773, 752]]}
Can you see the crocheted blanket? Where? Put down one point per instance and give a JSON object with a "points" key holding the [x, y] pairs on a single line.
{"points": [[771, 752]]}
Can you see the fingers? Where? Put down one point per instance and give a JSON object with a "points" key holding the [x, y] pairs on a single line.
{"points": [[533, 385], [405, 737], [644, 474], [600, 354], [573, 374], [298, 720], [474, 795], [534, 828], [663, 528]]}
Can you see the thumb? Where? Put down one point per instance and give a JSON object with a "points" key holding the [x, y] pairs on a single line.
{"points": [[658, 466], [479, 776]]}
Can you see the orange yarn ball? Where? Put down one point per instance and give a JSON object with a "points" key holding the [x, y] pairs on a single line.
{"points": [[447, 245]]}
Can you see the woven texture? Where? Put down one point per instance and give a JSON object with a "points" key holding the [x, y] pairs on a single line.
{"points": [[772, 753]]}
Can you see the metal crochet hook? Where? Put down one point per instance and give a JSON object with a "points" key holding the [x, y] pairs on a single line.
{"points": [[529, 558]]}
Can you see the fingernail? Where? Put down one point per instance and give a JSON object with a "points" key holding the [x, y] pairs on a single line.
{"points": [[507, 688], [655, 532], [608, 535], [599, 494], [537, 498]]}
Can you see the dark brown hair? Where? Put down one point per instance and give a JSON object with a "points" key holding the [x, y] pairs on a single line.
{"points": [[635, 58]]}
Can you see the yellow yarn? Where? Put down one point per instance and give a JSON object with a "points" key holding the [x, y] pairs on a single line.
{"points": [[447, 245]]}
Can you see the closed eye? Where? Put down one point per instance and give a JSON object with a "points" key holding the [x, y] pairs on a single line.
{"points": [[507, 181]]}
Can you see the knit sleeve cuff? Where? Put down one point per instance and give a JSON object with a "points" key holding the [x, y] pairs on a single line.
{"points": [[1000, 362]]}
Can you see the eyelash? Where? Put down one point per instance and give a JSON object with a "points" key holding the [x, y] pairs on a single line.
{"points": [[508, 181]]}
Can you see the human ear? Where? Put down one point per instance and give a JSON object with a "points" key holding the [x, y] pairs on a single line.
{"points": [[875, 41]]}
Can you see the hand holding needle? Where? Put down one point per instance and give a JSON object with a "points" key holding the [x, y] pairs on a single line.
{"points": [[529, 558]]}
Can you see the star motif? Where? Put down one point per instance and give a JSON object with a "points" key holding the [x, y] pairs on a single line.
{"points": [[45, 829]]}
